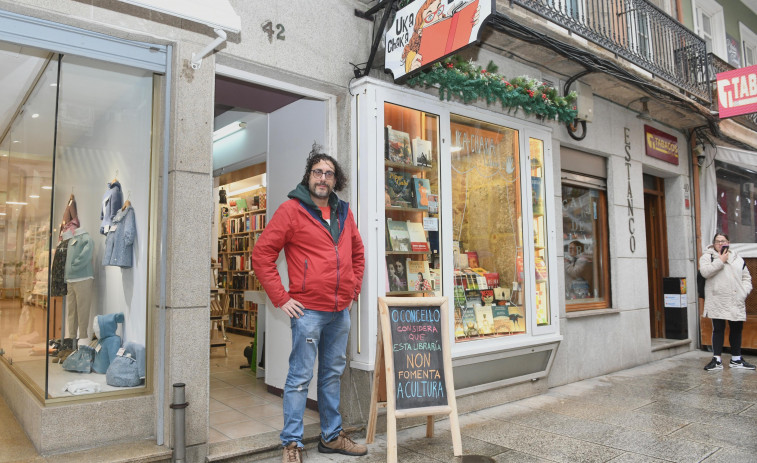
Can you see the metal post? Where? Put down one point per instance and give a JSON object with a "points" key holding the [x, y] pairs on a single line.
{"points": [[179, 424]]}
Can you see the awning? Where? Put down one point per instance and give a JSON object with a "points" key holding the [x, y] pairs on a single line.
{"points": [[218, 14], [708, 192]]}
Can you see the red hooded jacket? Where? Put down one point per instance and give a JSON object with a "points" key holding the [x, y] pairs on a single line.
{"points": [[322, 275]]}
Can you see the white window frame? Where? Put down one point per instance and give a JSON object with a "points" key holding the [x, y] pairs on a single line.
{"points": [[715, 12], [566, 7], [748, 40], [640, 18]]}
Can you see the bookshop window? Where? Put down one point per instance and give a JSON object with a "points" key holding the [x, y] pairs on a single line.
{"points": [[75, 175], [487, 229], [585, 231], [411, 196], [736, 202]]}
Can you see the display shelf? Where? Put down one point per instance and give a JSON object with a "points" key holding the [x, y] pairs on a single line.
{"points": [[411, 190], [407, 293], [407, 209], [401, 165]]}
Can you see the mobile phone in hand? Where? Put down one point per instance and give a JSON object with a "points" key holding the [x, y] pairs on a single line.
{"points": [[724, 249]]}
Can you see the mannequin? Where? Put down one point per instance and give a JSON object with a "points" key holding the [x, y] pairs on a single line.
{"points": [[79, 276]]}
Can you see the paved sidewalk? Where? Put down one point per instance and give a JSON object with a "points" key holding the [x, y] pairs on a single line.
{"points": [[669, 410]]}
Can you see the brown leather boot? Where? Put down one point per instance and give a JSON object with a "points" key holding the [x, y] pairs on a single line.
{"points": [[292, 453], [342, 444]]}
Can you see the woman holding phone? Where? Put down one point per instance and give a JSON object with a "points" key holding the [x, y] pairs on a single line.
{"points": [[728, 285]]}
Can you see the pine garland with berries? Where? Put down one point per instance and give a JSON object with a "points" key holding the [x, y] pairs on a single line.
{"points": [[455, 77]]}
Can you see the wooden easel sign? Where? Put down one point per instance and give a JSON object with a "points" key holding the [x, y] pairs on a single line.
{"points": [[412, 375]]}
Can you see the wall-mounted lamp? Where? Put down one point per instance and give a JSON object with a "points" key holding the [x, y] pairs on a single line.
{"points": [[227, 130], [644, 114], [699, 153]]}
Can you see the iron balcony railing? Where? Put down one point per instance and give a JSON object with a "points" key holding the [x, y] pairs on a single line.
{"points": [[637, 31]]}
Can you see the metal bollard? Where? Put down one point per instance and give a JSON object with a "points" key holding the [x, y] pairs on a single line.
{"points": [[179, 423]]}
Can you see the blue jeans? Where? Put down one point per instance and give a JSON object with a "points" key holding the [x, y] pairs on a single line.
{"points": [[323, 334]]}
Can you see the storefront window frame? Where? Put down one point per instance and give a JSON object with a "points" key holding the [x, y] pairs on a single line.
{"points": [[569, 179], [155, 58], [370, 97]]}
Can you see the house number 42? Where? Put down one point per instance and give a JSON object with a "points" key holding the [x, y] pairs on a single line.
{"points": [[268, 28]]}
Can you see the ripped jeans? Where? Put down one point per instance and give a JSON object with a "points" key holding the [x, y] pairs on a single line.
{"points": [[321, 334]]}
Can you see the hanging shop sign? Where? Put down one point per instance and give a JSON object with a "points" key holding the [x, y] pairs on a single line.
{"points": [[426, 31], [661, 145], [737, 92]]}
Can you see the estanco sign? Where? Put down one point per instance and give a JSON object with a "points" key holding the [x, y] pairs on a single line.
{"points": [[737, 92], [426, 31]]}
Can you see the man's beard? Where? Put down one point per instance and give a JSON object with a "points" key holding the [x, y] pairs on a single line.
{"points": [[314, 191]]}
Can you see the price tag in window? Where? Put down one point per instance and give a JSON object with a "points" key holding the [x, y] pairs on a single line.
{"points": [[430, 224]]}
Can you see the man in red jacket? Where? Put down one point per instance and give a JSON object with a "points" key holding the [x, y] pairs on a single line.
{"points": [[325, 261]]}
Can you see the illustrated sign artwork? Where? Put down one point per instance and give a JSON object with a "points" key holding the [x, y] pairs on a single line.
{"points": [[426, 31], [661, 145], [418, 357], [737, 92]]}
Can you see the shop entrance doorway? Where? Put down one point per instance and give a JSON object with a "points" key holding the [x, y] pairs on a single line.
{"points": [[263, 133], [657, 251]]}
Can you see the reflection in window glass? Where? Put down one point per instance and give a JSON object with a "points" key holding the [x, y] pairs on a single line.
{"points": [[585, 247], [26, 171], [487, 224], [736, 202], [541, 277]]}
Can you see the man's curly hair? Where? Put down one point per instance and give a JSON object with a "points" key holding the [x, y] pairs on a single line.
{"points": [[317, 155]]}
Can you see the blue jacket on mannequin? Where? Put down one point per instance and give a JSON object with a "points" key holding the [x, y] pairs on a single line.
{"points": [[119, 245]]}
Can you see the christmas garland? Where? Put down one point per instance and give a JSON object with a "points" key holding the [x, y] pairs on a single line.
{"points": [[455, 77]]}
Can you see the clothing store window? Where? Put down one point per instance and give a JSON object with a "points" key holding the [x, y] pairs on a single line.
{"points": [[736, 202], [585, 238], [76, 180]]}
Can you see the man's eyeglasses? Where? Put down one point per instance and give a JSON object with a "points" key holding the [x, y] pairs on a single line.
{"points": [[318, 173]]}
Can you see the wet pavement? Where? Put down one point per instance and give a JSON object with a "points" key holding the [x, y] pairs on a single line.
{"points": [[670, 410]]}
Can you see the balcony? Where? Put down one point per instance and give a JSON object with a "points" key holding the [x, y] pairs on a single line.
{"points": [[638, 32]]}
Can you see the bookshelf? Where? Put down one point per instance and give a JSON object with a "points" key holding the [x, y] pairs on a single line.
{"points": [[411, 213], [238, 232]]}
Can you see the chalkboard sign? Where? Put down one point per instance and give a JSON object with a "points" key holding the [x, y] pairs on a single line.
{"points": [[418, 357], [412, 375]]}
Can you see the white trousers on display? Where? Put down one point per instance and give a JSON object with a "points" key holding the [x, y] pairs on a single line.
{"points": [[78, 306]]}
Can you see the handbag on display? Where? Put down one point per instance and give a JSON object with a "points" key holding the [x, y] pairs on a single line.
{"points": [[123, 372], [80, 361]]}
